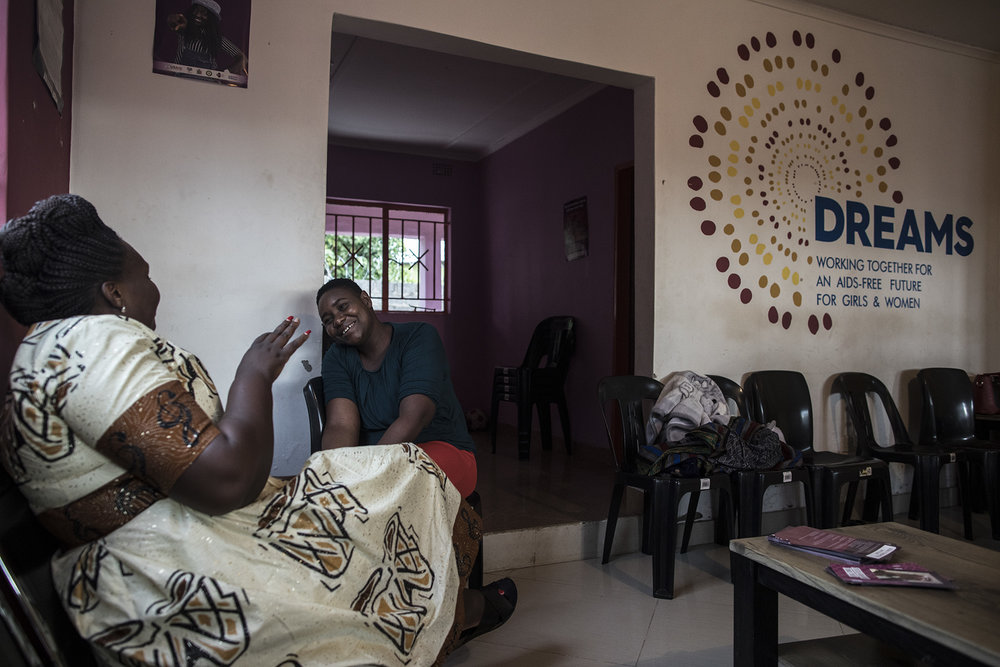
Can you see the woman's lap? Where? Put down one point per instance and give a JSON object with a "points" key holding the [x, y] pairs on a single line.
{"points": [[310, 544]]}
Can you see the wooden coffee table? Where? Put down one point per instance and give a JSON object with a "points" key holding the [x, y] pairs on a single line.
{"points": [[960, 627]]}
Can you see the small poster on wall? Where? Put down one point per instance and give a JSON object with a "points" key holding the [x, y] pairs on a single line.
{"points": [[575, 230], [203, 39], [48, 56]]}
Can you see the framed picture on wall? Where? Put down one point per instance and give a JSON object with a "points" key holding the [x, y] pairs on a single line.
{"points": [[575, 229], [206, 40]]}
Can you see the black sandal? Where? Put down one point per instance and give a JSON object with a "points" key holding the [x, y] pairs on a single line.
{"points": [[500, 598]]}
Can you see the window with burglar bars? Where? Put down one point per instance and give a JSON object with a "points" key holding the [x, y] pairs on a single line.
{"points": [[395, 252]]}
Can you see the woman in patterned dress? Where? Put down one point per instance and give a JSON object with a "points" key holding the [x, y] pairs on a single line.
{"points": [[179, 548]]}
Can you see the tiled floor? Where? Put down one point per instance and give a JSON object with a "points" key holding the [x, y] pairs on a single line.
{"points": [[549, 488], [585, 614]]}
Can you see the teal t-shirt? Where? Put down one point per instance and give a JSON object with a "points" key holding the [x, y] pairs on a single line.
{"points": [[415, 363]]}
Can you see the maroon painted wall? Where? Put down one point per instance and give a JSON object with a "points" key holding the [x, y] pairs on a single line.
{"points": [[37, 138], [509, 264], [525, 187]]}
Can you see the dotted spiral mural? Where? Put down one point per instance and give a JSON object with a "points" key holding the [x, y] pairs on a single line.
{"points": [[785, 123]]}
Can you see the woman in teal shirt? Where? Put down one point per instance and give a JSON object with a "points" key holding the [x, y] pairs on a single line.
{"points": [[386, 383]]}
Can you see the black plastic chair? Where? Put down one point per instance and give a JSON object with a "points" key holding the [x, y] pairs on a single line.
{"points": [[752, 484], [733, 392], [624, 400], [949, 420], [539, 381], [926, 460], [32, 614], [316, 408], [783, 397]]}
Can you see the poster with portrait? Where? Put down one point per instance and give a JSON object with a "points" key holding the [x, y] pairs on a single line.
{"points": [[207, 40]]}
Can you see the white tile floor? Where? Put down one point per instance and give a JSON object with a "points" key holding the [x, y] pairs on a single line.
{"points": [[585, 614]]}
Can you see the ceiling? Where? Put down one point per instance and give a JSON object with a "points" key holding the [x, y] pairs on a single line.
{"points": [[971, 22], [391, 96], [394, 95]]}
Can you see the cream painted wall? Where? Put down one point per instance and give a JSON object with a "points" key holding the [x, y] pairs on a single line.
{"points": [[941, 104], [222, 189]]}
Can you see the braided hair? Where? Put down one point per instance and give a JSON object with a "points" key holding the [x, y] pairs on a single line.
{"points": [[55, 259]]}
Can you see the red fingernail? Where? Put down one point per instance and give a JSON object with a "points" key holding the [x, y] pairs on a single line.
{"points": [[308, 331], [291, 317]]}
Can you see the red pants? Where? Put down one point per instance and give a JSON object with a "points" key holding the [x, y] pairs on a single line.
{"points": [[458, 465]]}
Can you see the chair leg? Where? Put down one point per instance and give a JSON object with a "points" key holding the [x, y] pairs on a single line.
{"points": [[564, 423], [725, 525], [852, 494], [647, 522], [723, 511], [819, 491], [746, 526], [494, 409], [523, 427], [914, 510], [823, 497], [886, 488], [809, 487], [664, 538], [609, 530], [929, 473], [545, 424], [992, 483], [965, 496], [693, 498], [751, 509], [874, 499], [878, 495], [832, 509]]}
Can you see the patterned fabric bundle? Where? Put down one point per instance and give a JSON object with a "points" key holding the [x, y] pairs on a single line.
{"points": [[749, 445], [691, 456], [741, 444], [358, 559]]}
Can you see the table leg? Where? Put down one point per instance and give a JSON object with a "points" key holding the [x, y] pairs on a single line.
{"points": [[755, 616]]}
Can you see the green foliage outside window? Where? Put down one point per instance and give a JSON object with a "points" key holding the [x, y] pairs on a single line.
{"points": [[360, 259]]}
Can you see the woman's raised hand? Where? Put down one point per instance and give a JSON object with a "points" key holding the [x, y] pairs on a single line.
{"points": [[232, 470], [270, 351]]}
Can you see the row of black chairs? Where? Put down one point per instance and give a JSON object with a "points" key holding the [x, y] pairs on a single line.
{"points": [[782, 396], [947, 435]]}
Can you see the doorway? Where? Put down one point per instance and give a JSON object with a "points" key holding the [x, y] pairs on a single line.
{"points": [[548, 479]]}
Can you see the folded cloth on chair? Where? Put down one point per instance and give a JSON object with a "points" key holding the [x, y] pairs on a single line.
{"points": [[687, 401], [749, 445], [739, 444], [692, 456]]}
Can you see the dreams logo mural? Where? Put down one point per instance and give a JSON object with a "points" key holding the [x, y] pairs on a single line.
{"points": [[787, 124]]}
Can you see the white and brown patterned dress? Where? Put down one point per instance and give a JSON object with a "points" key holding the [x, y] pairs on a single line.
{"points": [[357, 560]]}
